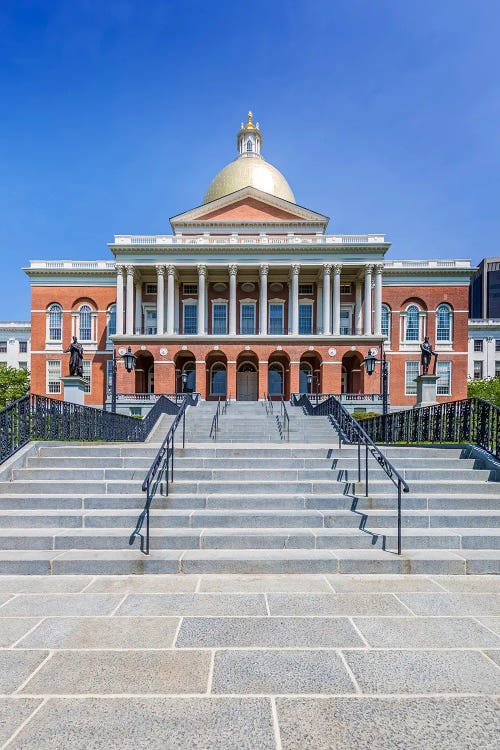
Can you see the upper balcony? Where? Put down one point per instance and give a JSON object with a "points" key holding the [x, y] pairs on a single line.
{"points": [[236, 239]]}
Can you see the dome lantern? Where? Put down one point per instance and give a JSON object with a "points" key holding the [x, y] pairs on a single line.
{"points": [[249, 138]]}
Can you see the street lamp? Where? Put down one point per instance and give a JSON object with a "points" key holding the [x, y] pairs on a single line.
{"points": [[184, 381], [310, 379], [369, 362], [129, 361]]}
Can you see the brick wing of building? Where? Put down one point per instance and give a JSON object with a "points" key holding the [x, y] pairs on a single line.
{"points": [[248, 296]]}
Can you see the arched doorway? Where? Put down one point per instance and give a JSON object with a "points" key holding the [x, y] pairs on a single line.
{"points": [[278, 375], [352, 373], [185, 372], [247, 377], [216, 369], [144, 373], [310, 373]]}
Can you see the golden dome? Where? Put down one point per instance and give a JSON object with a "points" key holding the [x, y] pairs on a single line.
{"points": [[249, 171]]}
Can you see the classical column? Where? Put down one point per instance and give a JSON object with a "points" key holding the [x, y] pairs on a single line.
{"points": [[202, 275], [129, 316], [160, 300], [358, 310], [368, 301], [138, 305], [377, 301], [119, 300], [337, 268], [327, 328], [233, 270], [170, 300], [295, 298], [264, 270]]}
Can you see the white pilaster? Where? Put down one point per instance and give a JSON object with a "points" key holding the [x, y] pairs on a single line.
{"points": [[129, 316], [368, 301], [264, 270], [337, 269], [377, 301], [202, 275], [119, 300], [233, 270], [170, 300], [327, 269], [160, 300], [358, 310], [138, 306], [295, 298]]}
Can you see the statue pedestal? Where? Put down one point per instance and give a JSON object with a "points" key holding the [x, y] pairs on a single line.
{"points": [[74, 389], [426, 390]]}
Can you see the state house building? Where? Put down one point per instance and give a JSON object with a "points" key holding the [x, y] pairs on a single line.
{"points": [[249, 295]]}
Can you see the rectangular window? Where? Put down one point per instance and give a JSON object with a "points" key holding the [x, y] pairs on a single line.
{"points": [[497, 368], [150, 322], [87, 375], [305, 318], [247, 323], [305, 289], [151, 288], [3, 347], [190, 289], [23, 347], [109, 376], [411, 372], [53, 376], [478, 345], [190, 319], [276, 318], [345, 288], [345, 323], [497, 345], [23, 365], [478, 370], [443, 369], [385, 321], [219, 319]]}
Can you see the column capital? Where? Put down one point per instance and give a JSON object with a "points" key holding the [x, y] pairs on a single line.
{"points": [[264, 269], [337, 269], [171, 270], [295, 267], [202, 269], [327, 268], [233, 269], [160, 270], [119, 269], [378, 267], [130, 270], [369, 268]]}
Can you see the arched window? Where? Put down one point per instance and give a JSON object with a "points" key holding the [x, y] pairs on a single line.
{"points": [[304, 385], [275, 379], [386, 321], [111, 320], [443, 323], [55, 322], [218, 379], [85, 327], [412, 323], [249, 146]]}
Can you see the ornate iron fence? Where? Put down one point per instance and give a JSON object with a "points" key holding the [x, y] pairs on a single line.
{"points": [[471, 420]]}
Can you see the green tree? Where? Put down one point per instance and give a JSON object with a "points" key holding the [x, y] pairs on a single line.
{"points": [[487, 388], [13, 384]]}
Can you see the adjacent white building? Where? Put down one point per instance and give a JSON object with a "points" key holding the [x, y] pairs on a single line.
{"points": [[484, 348], [15, 344]]}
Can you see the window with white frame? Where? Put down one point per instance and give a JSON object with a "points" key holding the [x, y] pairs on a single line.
{"points": [[112, 320], [247, 319], [443, 323], [53, 376], [190, 320], [478, 369], [443, 369], [497, 368], [23, 347], [345, 322], [305, 318], [3, 347], [497, 345], [55, 322], [23, 365], [276, 318], [190, 289], [345, 288], [412, 323], [411, 372], [386, 321], [305, 289], [85, 323], [87, 375], [151, 289], [478, 345], [219, 318], [150, 323]]}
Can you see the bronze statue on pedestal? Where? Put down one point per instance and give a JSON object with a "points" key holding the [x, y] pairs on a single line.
{"points": [[425, 357], [76, 358]]}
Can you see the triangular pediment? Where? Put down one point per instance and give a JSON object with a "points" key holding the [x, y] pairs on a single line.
{"points": [[248, 206]]}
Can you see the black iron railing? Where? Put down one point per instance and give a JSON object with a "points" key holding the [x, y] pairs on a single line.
{"points": [[160, 475], [375, 398], [221, 409], [471, 420], [351, 432], [283, 421], [268, 403]]}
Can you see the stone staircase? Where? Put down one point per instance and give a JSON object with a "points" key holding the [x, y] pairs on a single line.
{"points": [[248, 502]]}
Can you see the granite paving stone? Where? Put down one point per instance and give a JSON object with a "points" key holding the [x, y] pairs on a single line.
{"points": [[423, 671], [362, 584], [335, 604], [102, 632], [452, 604], [405, 723], [36, 584], [425, 632], [257, 583], [469, 584], [493, 623], [4, 598], [207, 723], [143, 584], [122, 672], [270, 632], [44, 605], [13, 711], [16, 667], [280, 671], [12, 628], [193, 604], [494, 656]]}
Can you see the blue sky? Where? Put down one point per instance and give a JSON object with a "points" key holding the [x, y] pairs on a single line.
{"points": [[383, 114]]}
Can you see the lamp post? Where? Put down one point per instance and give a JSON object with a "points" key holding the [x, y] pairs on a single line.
{"points": [[313, 379], [184, 379], [129, 361], [369, 362]]}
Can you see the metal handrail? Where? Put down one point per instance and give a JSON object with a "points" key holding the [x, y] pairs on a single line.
{"points": [[268, 403], [215, 421], [350, 431], [283, 421], [162, 467]]}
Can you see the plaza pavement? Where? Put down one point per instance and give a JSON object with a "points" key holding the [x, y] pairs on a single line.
{"points": [[250, 662]]}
